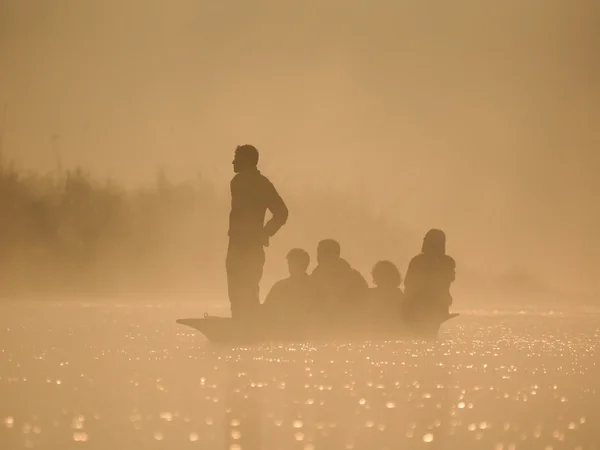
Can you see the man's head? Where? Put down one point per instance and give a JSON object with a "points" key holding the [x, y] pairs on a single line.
{"points": [[434, 243], [328, 252], [386, 274], [245, 157], [298, 261]]}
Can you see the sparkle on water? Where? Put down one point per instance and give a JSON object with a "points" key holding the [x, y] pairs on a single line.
{"points": [[129, 377]]}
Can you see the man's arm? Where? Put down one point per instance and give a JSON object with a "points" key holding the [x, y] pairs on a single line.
{"points": [[278, 209]]}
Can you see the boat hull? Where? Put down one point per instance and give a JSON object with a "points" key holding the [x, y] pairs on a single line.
{"points": [[225, 329]]}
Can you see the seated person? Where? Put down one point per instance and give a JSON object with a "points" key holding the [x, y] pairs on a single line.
{"points": [[339, 288], [386, 298], [290, 297], [428, 279]]}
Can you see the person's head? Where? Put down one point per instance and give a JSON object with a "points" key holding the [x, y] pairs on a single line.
{"points": [[245, 157], [328, 251], [434, 243], [386, 274], [298, 261]]}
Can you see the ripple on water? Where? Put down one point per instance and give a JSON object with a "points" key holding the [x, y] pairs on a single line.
{"points": [[80, 436]]}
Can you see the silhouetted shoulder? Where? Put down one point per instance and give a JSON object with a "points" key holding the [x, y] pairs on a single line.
{"points": [[267, 187], [417, 260], [265, 179], [360, 280], [276, 291], [449, 260], [345, 265]]}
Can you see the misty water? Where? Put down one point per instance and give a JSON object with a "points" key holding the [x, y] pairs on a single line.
{"points": [[127, 377]]}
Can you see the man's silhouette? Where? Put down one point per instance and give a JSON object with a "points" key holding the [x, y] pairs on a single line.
{"points": [[292, 297], [251, 195], [339, 288]]}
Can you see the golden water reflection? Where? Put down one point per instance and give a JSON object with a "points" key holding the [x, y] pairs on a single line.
{"points": [[131, 378]]}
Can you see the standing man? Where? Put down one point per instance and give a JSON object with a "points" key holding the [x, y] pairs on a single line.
{"points": [[251, 195]]}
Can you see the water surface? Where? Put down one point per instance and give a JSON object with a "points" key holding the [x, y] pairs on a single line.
{"points": [[96, 376]]}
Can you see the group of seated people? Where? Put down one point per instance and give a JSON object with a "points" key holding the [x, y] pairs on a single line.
{"points": [[336, 291]]}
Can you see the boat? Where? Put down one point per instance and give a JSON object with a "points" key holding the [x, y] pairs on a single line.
{"points": [[228, 330]]}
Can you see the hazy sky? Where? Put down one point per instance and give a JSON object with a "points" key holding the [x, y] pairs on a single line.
{"points": [[478, 116]]}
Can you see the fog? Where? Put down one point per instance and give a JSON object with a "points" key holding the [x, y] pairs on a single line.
{"points": [[480, 118]]}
